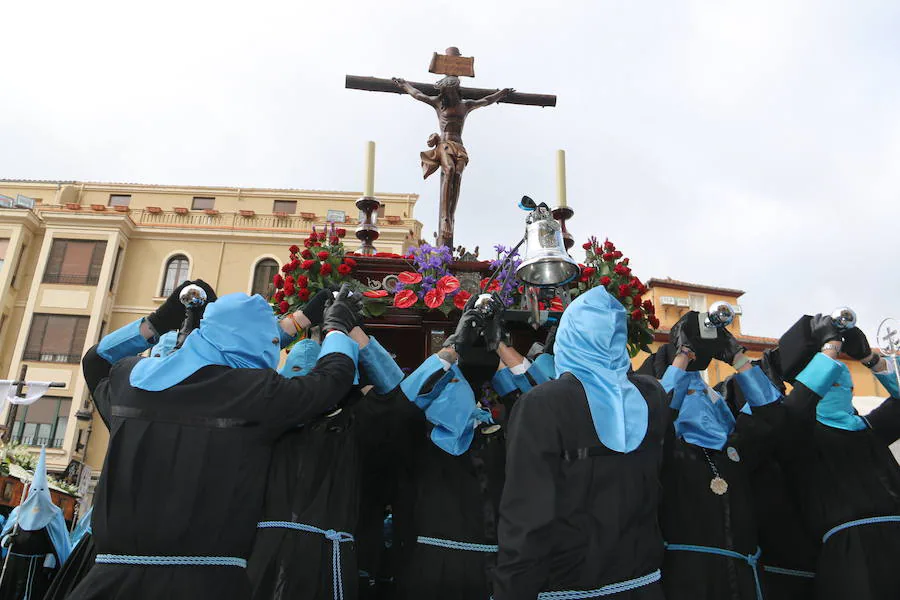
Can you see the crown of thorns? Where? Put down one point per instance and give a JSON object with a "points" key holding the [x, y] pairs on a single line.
{"points": [[447, 82]]}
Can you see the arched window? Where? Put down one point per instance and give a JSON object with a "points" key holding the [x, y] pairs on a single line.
{"points": [[176, 273], [262, 278]]}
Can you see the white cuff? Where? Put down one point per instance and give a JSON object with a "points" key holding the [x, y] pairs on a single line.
{"points": [[445, 364], [891, 365], [520, 368]]}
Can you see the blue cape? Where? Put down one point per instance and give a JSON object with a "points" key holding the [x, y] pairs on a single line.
{"points": [[82, 528], [38, 512], [591, 345], [165, 346], [237, 331], [704, 418], [835, 409], [301, 359]]}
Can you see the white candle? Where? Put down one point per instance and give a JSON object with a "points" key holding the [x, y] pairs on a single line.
{"points": [[561, 178], [370, 170]]}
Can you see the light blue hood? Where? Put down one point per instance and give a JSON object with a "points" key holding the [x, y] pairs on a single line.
{"points": [[591, 344]]}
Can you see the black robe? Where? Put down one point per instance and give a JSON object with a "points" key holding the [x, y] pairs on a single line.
{"points": [[840, 476], [26, 575], [186, 468], [451, 498], [572, 520], [76, 567]]}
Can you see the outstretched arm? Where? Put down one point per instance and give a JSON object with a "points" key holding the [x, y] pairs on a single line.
{"points": [[407, 88], [490, 99]]}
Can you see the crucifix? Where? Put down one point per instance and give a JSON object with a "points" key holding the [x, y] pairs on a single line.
{"points": [[452, 103], [21, 396]]}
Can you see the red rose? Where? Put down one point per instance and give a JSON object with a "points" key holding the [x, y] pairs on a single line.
{"points": [[604, 281], [617, 255], [279, 295], [334, 240], [344, 269], [322, 255], [307, 264], [286, 268], [637, 300], [409, 278], [460, 299], [289, 279], [447, 284], [405, 298], [302, 281], [289, 289], [583, 279], [434, 298], [624, 291], [648, 306], [307, 243], [622, 270], [654, 322], [303, 294], [340, 232], [587, 245], [635, 282], [283, 306], [349, 261], [636, 314], [306, 254], [294, 249], [609, 257], [588, 271], [375, 293], [325, 269], [278, 281], [313, 237], [609, 246]]}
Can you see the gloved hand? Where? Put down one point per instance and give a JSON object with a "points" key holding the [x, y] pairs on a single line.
{"points": [[471, 325], [315, 308], [855, 344], [823, 330], [171, 314], [342, 313], [728, 347], [551, 340], [495, 327], [678, 337]]}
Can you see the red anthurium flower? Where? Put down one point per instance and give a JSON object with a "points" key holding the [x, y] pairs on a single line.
{"points": [[434, 298], [447, 284], [405, 299], [375, 293], [460, 299], [409, 278]]}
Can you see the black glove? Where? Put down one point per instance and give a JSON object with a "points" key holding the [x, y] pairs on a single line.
{"points": [[823, 330], [315, 308], [171, 314], [855, 344], [678, 337], [495, 327], [728, 347], [470, 326], [342, 313], [551, 340]]}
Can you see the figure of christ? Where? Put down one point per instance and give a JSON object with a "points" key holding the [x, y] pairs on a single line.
{"points": [[447, 151]]}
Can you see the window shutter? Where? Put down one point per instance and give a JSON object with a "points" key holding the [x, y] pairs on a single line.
{"points": [[96, 263], [35, 337], [81, 327], [55, 261]]}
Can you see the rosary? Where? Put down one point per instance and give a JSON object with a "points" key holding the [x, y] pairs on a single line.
{"points": [[718, 485]]}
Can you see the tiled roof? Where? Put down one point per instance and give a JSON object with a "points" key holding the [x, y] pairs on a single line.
{"points": [[675, 283]]}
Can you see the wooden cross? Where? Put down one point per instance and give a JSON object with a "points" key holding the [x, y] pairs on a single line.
{"points": [[20, 393], [452, 102]]}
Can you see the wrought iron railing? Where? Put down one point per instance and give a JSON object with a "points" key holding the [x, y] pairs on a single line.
{"points": [[40, 356]]}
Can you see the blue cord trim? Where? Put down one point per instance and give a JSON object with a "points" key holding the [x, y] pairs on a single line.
{"points": [[336, 537], [185, 561], [450, 544], [750, 559], [606, 590], [868, 521], [794, 572]]}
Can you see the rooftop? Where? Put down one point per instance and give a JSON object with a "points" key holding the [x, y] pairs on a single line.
{"points": [[687, 286]]}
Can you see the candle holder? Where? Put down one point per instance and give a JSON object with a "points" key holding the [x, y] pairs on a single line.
{"points": [[563, 214], [367, 231]]}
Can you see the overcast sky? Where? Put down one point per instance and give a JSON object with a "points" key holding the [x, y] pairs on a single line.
{"points": [[753, 145]]}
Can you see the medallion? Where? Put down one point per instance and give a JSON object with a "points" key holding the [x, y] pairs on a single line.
{"points": [[718, 485], [733, 454]]}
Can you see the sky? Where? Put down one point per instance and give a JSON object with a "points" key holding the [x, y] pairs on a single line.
{"points": [[751, 145]]}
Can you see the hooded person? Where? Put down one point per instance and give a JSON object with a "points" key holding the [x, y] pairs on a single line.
{"points": [[35, 541], [191, 435], [307, 538], [578, 512], [707, 511], [842, 474]]}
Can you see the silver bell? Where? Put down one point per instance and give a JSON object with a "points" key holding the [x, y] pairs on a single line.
{"points": [[192, 296], [844, 317], [721, 314], [546, 262]]}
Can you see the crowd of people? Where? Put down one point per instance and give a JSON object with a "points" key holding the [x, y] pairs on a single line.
{"points": [[340, 477]]}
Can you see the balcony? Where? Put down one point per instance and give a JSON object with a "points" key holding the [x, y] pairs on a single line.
{"points": [[90, 279], [38, 356]]}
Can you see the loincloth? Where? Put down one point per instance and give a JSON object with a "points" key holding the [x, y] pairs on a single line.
{"points": [[431, 159]]}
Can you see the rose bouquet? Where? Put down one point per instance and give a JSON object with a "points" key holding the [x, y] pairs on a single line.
{"points": [[321, 263], [605, 265]]}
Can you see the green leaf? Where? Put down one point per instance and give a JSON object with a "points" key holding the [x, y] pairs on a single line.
{"points": [[375, 309]]}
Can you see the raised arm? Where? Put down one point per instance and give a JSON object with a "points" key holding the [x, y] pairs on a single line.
{"points": [[402, 84], [490, 99]]}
